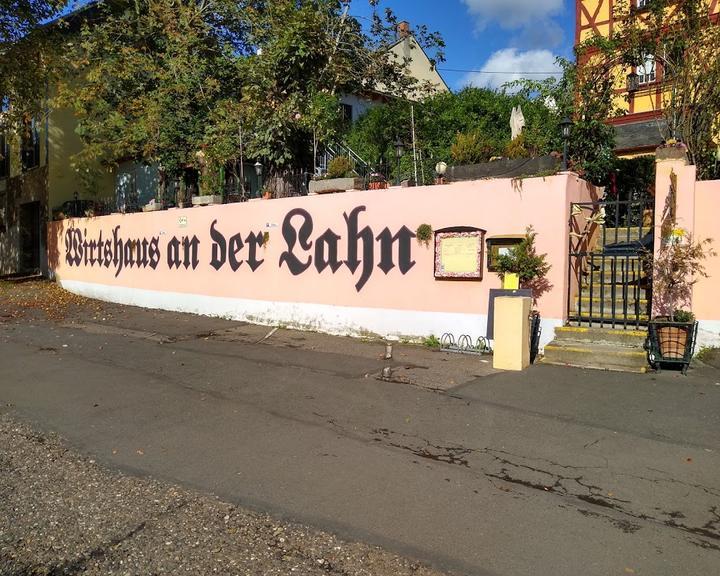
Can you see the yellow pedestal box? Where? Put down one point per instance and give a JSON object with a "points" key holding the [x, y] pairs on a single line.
{"points": [[512, 333]]}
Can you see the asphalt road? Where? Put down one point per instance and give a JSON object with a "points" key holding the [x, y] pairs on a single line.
{"points": [[553, 471]]}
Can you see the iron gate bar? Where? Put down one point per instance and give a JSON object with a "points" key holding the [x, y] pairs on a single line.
{"points": [[594, 264]]}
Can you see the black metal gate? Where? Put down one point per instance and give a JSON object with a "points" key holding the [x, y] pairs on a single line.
{"points": [[611, 246]]}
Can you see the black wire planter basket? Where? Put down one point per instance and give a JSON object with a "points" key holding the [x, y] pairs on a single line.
{"points": [[671, 343]]}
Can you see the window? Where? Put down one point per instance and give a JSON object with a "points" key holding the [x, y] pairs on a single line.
{"points": [[346, 113], [646, 71], [4, 157], [30, 145], [640, 4]]}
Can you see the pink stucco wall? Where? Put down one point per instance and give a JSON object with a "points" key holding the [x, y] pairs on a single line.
{"points": [[498, 206], [706, 300]]}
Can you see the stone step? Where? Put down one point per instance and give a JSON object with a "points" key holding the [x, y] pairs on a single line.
{"points": [[607, 317], [608, 300], [634, 233], [620, 277], [606, 306], [620, 263], [606, 291], [620, 337], [596, 355]]}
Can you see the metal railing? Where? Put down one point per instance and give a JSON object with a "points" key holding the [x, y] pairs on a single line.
{"points": [[610, 256], [335, 149]]}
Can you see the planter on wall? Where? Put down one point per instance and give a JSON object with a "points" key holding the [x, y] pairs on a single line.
{"points": [[152, 207], [336, 185], [207, 200]]}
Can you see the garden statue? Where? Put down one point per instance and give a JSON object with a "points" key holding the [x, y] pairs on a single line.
{"points": [[517, 122]]}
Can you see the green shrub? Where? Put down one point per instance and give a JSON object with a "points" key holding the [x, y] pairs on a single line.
{"points": [[340, 167], [472, 148], [683, 316], [524, 261], [432, 341], [424, 234], [517, 148]]}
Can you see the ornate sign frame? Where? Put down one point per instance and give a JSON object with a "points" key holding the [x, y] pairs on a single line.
{"points": [[459, 253]]}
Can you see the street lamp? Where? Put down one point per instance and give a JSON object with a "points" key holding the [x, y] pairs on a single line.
{"points": [[258, 172], [565, 126], [399, 151]]}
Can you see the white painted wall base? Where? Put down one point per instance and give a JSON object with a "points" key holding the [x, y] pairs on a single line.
{"points": [[339, 320], [708, 334]]}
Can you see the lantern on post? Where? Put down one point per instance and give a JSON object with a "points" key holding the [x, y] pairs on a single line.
{"points": [[399, 151], [565, 126], [259, 173]]}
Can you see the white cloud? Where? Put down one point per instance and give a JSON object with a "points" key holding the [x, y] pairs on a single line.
{"points": [[509, 64], [513, 13]]}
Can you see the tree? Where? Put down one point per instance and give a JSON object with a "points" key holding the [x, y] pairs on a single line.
{"points": [[309, 53], [585, 95], [474, 120], [159, 80], [25, 62], [20, 17], [147, 81], [683, 38]]}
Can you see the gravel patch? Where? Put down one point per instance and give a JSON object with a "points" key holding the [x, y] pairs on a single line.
{"points": [[61, 513]]}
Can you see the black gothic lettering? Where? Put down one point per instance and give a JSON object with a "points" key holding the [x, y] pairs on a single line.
{"points": [[108, 254], [326, 251], [403, 238], [190, 252], [235, 245], [86, 247], [143, 253], [77, 245], [154, 253], [219, 249], [367, 237], [173, 253], [129, 258], [68, 247], [291, 236], [93, 246], [99, 258], [112, 250], [254, 241], [117, 251]]}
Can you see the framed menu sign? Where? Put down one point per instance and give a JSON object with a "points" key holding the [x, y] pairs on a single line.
{"points": [[459, 253]]}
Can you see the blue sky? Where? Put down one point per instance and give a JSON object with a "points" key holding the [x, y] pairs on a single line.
{"points": [[505, 39]]}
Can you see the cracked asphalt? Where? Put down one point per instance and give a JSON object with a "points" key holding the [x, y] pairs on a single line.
{"points": [[551, 471]]}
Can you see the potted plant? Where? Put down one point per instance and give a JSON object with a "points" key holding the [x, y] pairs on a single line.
{"points": [[522, 262], [340, 177], [377, 182], [211, 182], [520, 266], [677, 266]]}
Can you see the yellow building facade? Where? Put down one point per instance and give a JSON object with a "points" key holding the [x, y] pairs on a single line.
{"points": [[36, 180], [640, 126]]}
